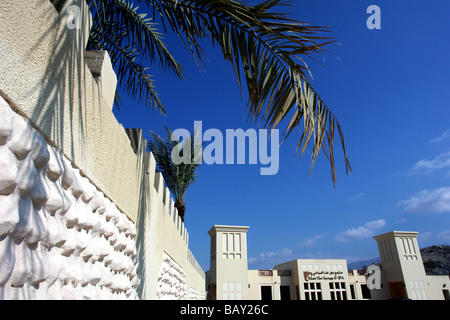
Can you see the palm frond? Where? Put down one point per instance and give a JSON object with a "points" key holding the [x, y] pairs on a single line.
{"points": [[131, 39], [178, 177], [133, 77], [267, 51]]}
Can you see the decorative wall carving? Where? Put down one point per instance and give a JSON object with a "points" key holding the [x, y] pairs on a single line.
{"points": [[196, 295], [171, 280], [60, 237]]}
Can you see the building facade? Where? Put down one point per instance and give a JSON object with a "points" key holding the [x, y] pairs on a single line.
{"points": [[401, 274], [228, 277]]}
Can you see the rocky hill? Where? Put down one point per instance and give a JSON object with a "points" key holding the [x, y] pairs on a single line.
{"points": [[436, 260], [363, 264]]}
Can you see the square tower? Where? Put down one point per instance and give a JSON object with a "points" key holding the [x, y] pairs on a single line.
{"points": [[402, 272], [229, 270]]}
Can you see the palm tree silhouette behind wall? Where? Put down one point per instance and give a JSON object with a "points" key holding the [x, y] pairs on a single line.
{"points": [[268, 51]]}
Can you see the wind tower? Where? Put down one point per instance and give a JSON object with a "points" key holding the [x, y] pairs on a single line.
{"points": [[229, 269], [403, 274]]}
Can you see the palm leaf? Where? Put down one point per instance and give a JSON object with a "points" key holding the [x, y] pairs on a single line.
{"points": [[178, 177], [130, 38], [267, 51], [133, 77]]}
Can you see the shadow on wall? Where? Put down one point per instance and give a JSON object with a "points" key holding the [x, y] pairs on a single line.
{"points": [[53, 85], [48, 77], [61, 95], [44, 78], [142, 165]]}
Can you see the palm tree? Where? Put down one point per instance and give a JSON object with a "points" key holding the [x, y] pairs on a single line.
{"points": [[178, 177], [267, 50]]}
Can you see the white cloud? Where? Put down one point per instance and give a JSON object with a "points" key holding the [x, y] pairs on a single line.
{"points": [[309, 242], [424, 236], [375, 224], [444, 235], [402, 220], [271, 258], [425, 201], [355, 233], [360, 232], [445, 135], [442, 161], [252, 260], [356, 196]]}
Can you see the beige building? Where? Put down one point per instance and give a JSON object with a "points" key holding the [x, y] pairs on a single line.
{"points": [[401, 275], [228, 277]]}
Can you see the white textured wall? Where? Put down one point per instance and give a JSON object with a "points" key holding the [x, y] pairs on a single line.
{"points": [[43, 72], [60, 237], [172, 284], [196, 295], [166, 242], [171, 280], [63, 157]]}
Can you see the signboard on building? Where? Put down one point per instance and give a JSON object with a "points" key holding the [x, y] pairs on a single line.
{"points": [[323, 275]]}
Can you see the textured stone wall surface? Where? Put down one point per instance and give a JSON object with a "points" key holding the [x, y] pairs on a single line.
{"points": [[82, 215], [171, 280], [196, 295], [60, 237]]}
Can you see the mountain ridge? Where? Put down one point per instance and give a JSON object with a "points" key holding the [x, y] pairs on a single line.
{"points": [[436, 260]]}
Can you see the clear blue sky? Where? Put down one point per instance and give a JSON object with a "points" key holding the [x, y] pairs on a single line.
{"points": [[389, 89]]}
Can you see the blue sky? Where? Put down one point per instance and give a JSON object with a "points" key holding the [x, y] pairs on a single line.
{"points": [[389, 88]]}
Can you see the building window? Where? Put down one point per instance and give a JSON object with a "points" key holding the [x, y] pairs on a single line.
{"points": [[352, 291], [409, 250], [446, 294], [225, 242], [232, 290], [313, 291], [237, 239], [310, 267], [266, 292], [365, 292], [285, 292], [335, 267], [284, 273], [231, 242], [338, 291], [387, 254], [231, 245], [418, 290]]}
